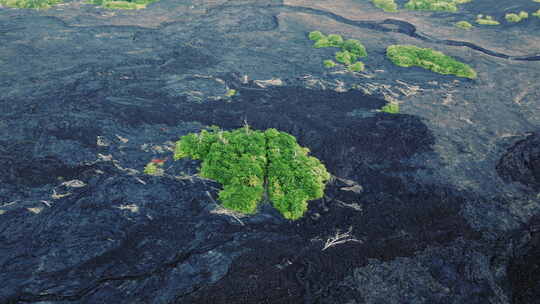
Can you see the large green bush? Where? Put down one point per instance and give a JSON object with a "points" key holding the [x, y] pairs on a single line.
{"points": [[432, 5], [254, 165], [409, 55], [435, 5]]}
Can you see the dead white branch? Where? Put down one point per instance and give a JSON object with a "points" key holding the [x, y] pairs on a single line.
{"points": [[340, 238], [221, 210]]}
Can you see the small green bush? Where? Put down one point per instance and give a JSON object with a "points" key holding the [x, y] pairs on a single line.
{"points": [[329, 63], [323, 42], [409, 55], [512, 17], [386, 5], [463, 25], [335, 40], [230, 93], [356, 67], [537, 13], [254, 165], [354, 47], [345, 57], [391, 108], [315, 35]]}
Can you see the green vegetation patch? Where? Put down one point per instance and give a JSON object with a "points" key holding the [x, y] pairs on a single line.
{"points": [[351, 50], [329, 63], [35, 4], [435, 5], [486, 20], [537, 13], [512, 17], [463, 25], [230, 93], [409, 55], [386, 5], [391, 108], [254, 165], [356, 67]]}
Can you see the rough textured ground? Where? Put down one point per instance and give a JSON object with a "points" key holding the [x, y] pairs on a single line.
{"points": [[442, 199]]}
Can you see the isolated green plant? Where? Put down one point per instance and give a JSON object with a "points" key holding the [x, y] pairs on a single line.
{"points": [[392, 108], [254, 165], [537, 13], [230, 93], [410, 55]]}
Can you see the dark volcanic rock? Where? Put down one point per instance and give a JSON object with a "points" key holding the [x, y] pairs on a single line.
{"points": [[524, 267], [412, 214], [521, 163]]}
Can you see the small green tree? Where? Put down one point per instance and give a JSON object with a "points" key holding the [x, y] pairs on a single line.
{"points": [[253, 166]]}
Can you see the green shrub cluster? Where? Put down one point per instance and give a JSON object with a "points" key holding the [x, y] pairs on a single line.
{"points": [[409, 55], [537, 13], [386, 5], [351, 50], [512, 17], [486, 20], [35, 4], [463, 25], [253, 165]]}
